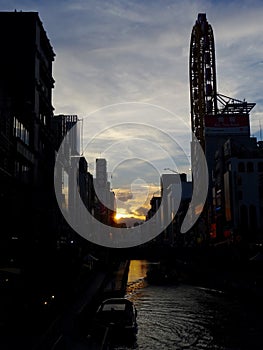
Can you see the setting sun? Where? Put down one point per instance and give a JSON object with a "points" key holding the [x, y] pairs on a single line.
{"points": [[118, 216], [122, 215]]}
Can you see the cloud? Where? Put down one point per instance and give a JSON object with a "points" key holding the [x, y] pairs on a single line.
{"points": [[122, 196], [112, 52], [141, 211], [134, 197]]}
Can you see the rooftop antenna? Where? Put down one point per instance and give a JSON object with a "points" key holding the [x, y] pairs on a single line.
{"points": [[260, 131]]}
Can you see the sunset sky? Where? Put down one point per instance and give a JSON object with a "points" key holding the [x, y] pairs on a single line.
{"points": [[122, 67]]}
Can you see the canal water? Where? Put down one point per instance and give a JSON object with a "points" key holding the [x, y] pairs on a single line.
{"points": [[191, 317]]}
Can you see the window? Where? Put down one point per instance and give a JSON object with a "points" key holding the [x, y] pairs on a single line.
{"points": [[27, 137], [260, 167], [17, 169], [25, 171], [17, 127], [21, 131], [241, 167], [250, 167]]}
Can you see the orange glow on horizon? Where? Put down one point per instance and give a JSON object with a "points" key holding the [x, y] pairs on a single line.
{"points": [[122, 215], [118, 216]]}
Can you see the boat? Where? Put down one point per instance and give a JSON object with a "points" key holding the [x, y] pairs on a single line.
{"points": [[118, 316], [160, 274]]}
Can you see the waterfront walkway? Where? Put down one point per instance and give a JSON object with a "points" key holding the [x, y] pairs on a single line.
{"points": [[69, 330], [65, 332]]}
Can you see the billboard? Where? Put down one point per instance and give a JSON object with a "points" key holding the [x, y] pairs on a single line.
{"points": [[227, 189], [227, 124]]}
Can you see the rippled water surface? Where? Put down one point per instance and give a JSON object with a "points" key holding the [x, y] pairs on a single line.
{"points": [[191, 317]]}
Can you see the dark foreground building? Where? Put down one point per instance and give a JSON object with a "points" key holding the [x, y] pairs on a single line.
{"points": [[35, 239], [26, 140]]}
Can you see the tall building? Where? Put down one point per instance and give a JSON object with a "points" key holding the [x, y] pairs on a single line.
{"points": [[238, 191], [67, 135], [167, 180], [214, 117], [176, 193], [27, 143], [106, 201], [101, 173], [155, 217]]}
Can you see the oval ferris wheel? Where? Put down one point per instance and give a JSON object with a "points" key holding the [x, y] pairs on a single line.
{"points": [[202, 72]]}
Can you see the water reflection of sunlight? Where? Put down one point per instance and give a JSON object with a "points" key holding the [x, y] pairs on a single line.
{"points": [[137, 270], [136, 277]]}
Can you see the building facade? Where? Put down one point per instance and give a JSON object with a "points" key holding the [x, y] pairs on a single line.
{"points": [[105, 198], [237, 191], [26, 138]]}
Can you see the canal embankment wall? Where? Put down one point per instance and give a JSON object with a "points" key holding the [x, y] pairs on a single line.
{"points": [[77, 316]]}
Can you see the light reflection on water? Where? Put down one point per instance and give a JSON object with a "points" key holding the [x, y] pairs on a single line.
{"points": [[137, 270], [188, 317]]}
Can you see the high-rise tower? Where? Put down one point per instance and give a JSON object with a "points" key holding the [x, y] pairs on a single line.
{"points": [[214, 117]]}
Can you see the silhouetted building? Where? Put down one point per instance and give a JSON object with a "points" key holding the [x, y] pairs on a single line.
{"points": [[178, 198], [26, 140], [214, 117], [70, 168], [105, 198], [167, 180], [155, 216], [238, 191]]}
